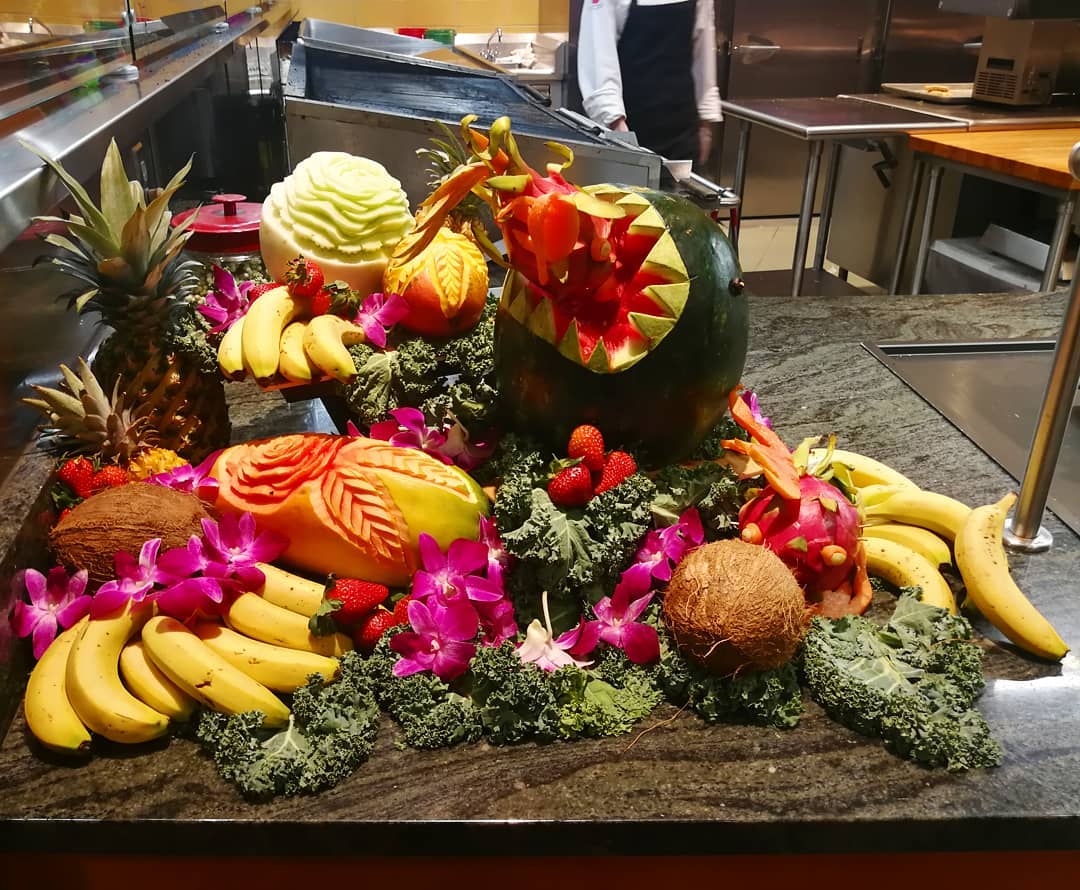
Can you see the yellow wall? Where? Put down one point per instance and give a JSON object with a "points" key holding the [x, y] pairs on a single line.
{"points": [[462, 15]]}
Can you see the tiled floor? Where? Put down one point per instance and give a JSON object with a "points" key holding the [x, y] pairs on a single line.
{"points": [[766, 244]]}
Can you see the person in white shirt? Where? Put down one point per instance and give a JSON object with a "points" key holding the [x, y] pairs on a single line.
{"points": [[650, 66]]}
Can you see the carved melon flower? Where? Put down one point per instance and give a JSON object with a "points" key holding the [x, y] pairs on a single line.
{"points": [[378, 314], [439, 641], [227, 302], [56, 601], [271, 470]]}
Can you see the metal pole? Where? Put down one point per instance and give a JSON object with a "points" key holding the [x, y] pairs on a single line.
{"points": [[740, 182], [914, 187], [806, 215], [1023, 531], [1062, 228], [825, 220], [923, 255]]}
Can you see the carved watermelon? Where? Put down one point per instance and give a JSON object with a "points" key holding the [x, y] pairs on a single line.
{"points": [[643, 335]]}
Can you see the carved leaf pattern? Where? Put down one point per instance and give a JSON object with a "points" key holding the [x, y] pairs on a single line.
{"points": [[364, 511], [406, 461], [452, 277]]}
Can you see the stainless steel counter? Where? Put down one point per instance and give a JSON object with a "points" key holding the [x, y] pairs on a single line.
{"points": [[981, 117], [840, 117]]}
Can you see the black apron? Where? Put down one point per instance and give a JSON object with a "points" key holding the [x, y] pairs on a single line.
{"points": [[656, 52]]}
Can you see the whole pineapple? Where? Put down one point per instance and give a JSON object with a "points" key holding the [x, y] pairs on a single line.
{"points": [[128, 257]]}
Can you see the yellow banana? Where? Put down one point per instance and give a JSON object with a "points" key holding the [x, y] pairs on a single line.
{"points": [[277, 668], [150, 685], [49, 714], [864, 470], [912, 506], [325, 342], [292, 592], [903, 567], [266, 318], [923, 542], [231, 351], [293, 363], [985, 570], [205, 675], [94, 687], [253, 616]]}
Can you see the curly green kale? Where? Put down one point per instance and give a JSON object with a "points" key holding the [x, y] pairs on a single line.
{"points": [[187, 333], [710, 448], [331, 732], [714, 489], [430, 714], [913, 683]]}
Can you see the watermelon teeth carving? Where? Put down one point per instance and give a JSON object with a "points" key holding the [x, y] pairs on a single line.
{"points": [[621, 306]]}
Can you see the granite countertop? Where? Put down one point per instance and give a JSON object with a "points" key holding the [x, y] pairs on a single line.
{"points": [[681, 787]]}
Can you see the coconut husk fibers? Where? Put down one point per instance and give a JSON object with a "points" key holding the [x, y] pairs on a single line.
{"points": [[733, 606], [124, 518]]}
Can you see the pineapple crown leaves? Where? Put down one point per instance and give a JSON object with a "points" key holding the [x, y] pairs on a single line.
{"points": [[125, 248], [87, 420]]}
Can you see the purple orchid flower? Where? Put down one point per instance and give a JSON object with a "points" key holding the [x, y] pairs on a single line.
{"points": [[57, 601], [234, 548], [191, 598], [190, 480], [498, 623], [409, 430], [451, 577], [378, 314], [617, 620], [498, 559], [134, 580], [227, 302], [664, 548], [459, 448], [440, 641], [751, 400]]}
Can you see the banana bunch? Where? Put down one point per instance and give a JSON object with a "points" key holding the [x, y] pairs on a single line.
{"points": [[279, 338], [127, 676]]}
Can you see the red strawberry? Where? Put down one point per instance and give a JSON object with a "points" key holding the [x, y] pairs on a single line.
{"points": [[109, 476], [336, 297], [587, 443], [371, 630], [77, 474], [357, 598], [304, 278], [618, 466], [571, 487], [401, 610], [259, 289]]}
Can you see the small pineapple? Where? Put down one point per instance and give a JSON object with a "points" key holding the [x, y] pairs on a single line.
{"points": [[127, 257], [444, 157], [87, 421], [153, 461]]}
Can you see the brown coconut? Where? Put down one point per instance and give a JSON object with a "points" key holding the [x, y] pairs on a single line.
{"points": [[734, 606], [124, 518]]}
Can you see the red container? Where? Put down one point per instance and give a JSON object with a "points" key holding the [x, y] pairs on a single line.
{"points": [[411, 32], [228, 227]]}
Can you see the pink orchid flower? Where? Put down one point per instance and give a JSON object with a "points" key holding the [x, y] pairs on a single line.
{"points": [[548, 652], [378, 314], [190, 596], [460, 449], [409, 430], [617, 620], [498, 559], [233, 548], [227, 302], [663, 549], [134, 580], [451, 576], [498, 623], [191, 480], [440, 641], [751, 400], [57, 601]]}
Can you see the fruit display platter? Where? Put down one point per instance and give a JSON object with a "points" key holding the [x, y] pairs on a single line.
{"points": [[745, 762]]}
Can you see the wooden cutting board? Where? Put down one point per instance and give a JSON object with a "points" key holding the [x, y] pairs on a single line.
{"points": [[1037, 155]]}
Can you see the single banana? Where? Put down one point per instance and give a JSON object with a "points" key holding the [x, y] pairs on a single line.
{"points": [[325, 342], [923, 542], [864, 470], [149, 684], [205, 675], [231, 351], [94, 687], [266, 318], [293, 363], [985, 570], [253, 616], [277, 668], [904, 567], [292, 592], [49, 714], [912, 506]]}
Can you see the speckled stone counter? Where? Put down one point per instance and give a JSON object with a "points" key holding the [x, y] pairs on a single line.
{"points": [[681, 787]]}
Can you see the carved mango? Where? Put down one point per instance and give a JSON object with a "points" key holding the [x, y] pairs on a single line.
{"points": [[349, 505]]}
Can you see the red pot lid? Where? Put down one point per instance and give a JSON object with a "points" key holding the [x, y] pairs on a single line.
{"points": [[228, 226]]}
